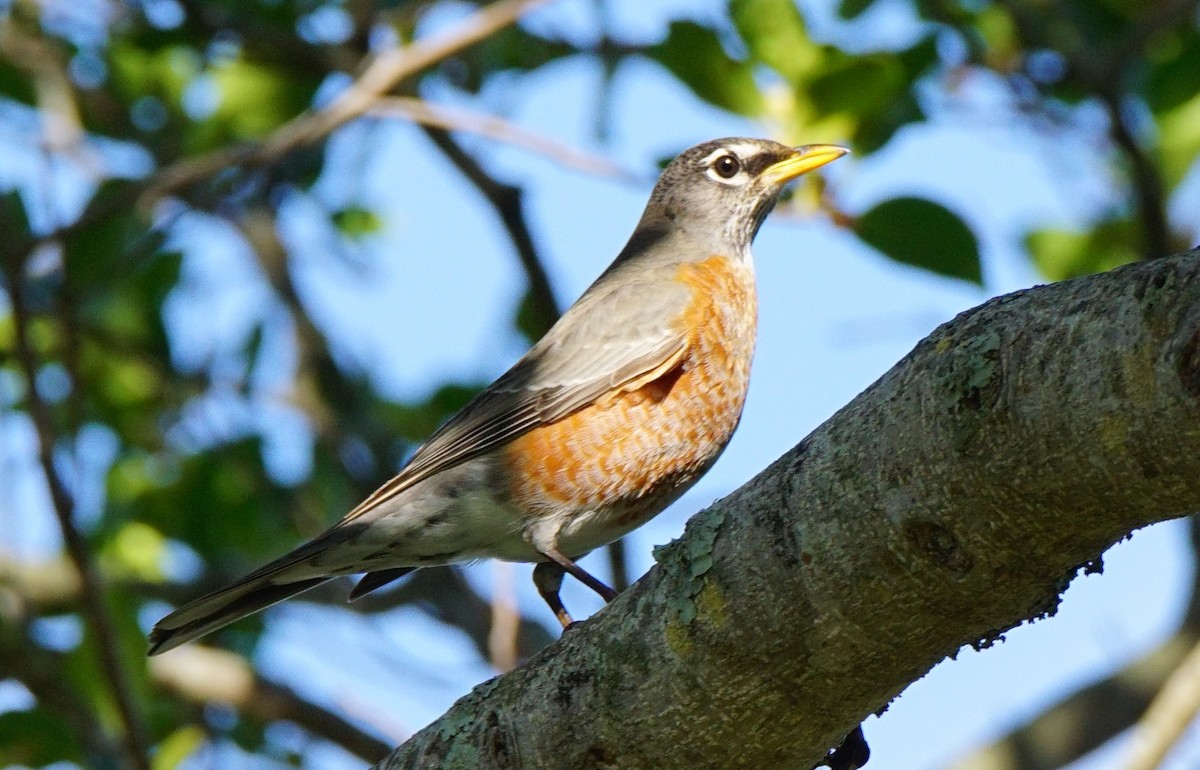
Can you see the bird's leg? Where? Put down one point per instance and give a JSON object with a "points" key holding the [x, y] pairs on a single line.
{"points": [[580, 574], [548, 577]]}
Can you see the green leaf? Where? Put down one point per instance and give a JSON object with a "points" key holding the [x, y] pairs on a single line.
{"points": [[135, 550], [695, 55], [1174, 74], [1179, 140], [165, 72], [858, 85], [14, 220], [852, 9], [35, 738], [16, 84], [357, 222], [919, 232], [256, 98], [221, 503], [102, 254], [418, 420], [177, 747], [533, 320], [1062, 254], [774, 32]]}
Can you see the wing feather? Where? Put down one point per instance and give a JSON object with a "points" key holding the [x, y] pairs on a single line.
{"points": [[582, 360]]}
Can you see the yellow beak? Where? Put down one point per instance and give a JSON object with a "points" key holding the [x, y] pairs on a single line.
{"points": [[803, 160]]}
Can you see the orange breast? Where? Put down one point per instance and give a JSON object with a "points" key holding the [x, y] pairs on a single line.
{"points": [[649, 443]]}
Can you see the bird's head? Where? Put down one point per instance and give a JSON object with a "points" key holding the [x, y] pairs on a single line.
{"points": [[719, 192]]}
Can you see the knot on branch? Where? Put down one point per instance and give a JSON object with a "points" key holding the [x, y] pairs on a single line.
{"points": [[939, 545]]}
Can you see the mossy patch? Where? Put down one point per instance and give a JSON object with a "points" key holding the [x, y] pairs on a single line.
{"points": [[686, 562]]}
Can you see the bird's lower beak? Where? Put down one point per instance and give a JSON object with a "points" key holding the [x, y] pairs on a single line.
{"points": [[803, 160]]}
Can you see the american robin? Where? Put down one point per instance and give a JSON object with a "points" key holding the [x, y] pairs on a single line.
{"points": [[608, 419]]}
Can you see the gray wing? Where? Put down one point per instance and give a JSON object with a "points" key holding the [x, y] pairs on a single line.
{"points": [[616, 337]]}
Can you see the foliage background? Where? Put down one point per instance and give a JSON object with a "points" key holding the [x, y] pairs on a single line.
{"points": [[210, 348]]}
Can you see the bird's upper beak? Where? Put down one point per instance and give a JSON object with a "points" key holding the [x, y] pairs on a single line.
{"points": [[801, 161]]}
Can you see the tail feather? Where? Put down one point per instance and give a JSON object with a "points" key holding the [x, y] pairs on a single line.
{"points": [[222, 607]]}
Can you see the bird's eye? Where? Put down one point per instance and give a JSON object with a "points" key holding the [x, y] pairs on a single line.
{"points": [[727, 166]]}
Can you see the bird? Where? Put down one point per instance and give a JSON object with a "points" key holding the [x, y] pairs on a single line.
{"points": [[610, 417]]}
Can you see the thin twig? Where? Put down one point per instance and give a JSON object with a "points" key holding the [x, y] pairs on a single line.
{"points": [[383, 73], [508, 202], [93, 591], [494, 127]]}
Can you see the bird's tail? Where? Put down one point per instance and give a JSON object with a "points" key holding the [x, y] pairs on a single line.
{"points": [[222, 607]]}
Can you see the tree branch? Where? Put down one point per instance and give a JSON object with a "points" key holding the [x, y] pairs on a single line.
{"points": [[953, 500]]}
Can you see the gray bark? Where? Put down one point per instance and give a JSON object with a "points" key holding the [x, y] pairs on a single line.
{"points": [[954, 499]]}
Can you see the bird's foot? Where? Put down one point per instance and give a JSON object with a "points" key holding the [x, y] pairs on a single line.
{"points": [[851, 754]]}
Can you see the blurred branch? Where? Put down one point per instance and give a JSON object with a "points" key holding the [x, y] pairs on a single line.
{"points": [[1147, 181], [40, 671], [1087, 718], [258, 226], [204, 676], [383, 73], [50, 587], [1169, 714], [618, 564], [504, 630], [111, 663], [44, 62], [40, 588], [494, 127], [508, 201]]}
